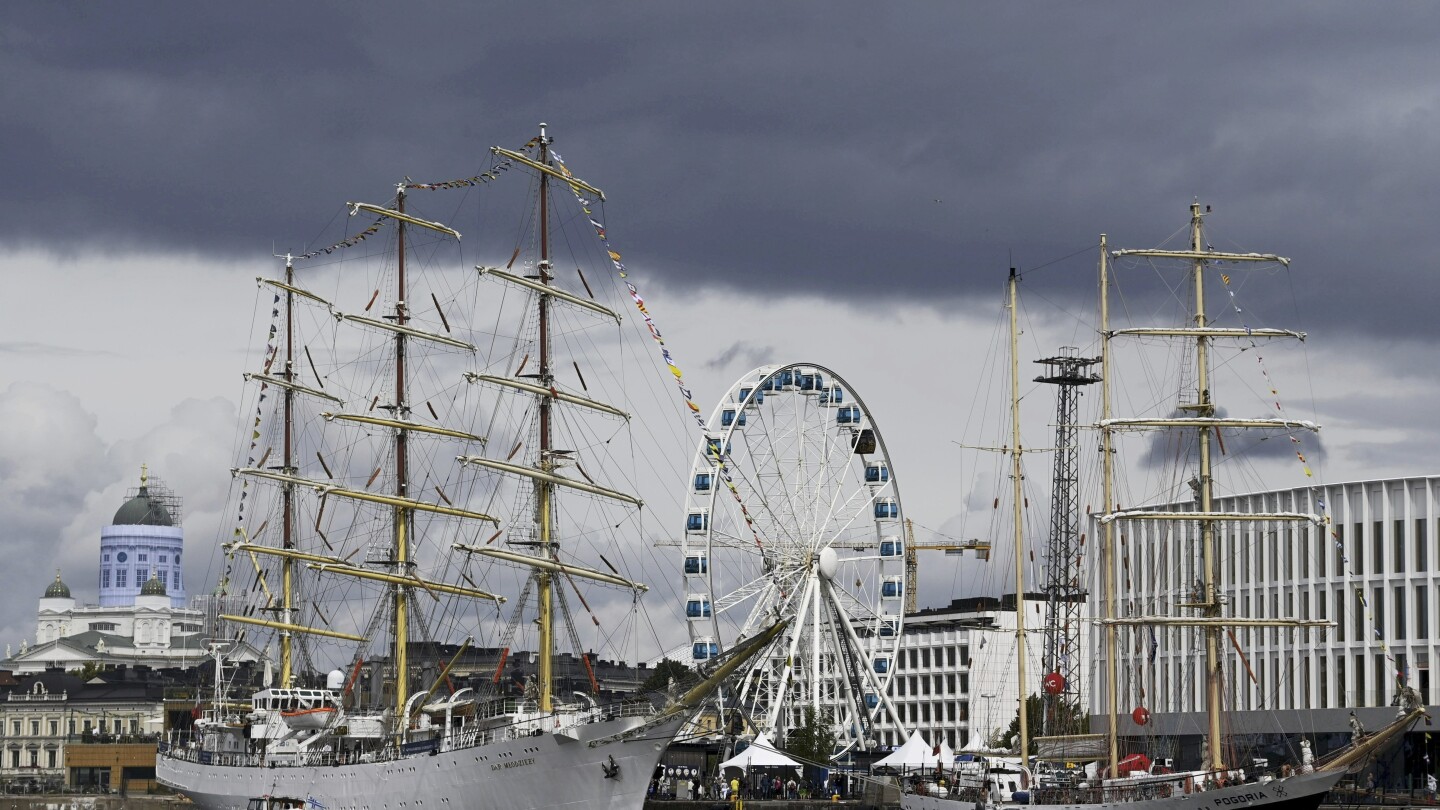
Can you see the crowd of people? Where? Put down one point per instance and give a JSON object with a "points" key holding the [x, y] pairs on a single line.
{"points": [[757, 786]]}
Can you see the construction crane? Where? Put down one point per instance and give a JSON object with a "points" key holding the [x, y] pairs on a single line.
{"points": [[912, 565]]}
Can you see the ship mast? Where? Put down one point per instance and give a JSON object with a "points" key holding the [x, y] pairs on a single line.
{"points": [[287, 521], [401, 557], [1204, 406], [1198, 415], [1107, 497], [544, 490], [1018, 483]]}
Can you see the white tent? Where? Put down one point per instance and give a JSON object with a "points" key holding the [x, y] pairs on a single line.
{"points": [[915, 754], [760, 754]]}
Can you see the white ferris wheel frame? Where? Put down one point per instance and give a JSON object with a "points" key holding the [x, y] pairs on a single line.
{"points": [[802, 574]]}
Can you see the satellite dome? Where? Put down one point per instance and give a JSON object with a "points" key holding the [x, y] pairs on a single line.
{"points": [[152, 587], [57, 589]]}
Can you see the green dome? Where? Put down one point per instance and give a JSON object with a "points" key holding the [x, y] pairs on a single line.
{"points": [[57, 589], [142, 510], [153, 587]]}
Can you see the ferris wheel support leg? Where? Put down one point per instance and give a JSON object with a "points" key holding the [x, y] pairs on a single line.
{"points": [[816, 692], [856, 703], [875, 683], [777, 701]]}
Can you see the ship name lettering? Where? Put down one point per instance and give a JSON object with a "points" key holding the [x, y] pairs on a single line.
{"points": [[517, 763], [1243, 798]]}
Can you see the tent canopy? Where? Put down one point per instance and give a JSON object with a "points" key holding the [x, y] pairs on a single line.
{"points": [[915, 754], [760, 754]]}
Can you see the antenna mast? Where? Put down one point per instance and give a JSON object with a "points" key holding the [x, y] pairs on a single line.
{"points": [[1064, 594]]}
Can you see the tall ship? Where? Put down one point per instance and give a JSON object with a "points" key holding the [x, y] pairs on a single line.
{"points": [[431, 459], [1226, 776]]}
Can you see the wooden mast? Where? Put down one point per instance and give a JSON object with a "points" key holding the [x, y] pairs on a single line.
{"points": [[1107, 568], [1204, 406], [1018, 493], [287, 521], [401, 514], [544, 490]]}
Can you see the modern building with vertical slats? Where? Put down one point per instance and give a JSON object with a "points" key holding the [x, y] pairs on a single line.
{"points": [[1373, 569]]}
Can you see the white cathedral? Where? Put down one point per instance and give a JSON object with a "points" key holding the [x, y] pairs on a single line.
{"points": [[145, 623]]}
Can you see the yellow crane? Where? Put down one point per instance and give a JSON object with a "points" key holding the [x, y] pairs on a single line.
{"points": [[912, 565]]}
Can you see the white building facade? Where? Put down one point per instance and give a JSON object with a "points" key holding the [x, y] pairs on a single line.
{"points": [[955, 674], [1373, 569]]}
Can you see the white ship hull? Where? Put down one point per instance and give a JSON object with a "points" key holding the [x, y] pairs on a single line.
{"points": [[543, 771], [1300, 792]]}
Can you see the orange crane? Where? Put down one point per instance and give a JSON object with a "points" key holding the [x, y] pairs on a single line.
{"points": [[912, 565]]}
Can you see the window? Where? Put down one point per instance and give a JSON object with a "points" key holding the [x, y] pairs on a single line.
{"points": [[105, 558], [1357, 560], [34, 728], [900, 687], [1420, 550], [1340, 615], [120, 578], [964, 655], [950, 684], [1397, 545], [1377, 609], [914, 659], [1361, 698], [1422, 612], [1380, 678], [119, 727], [50, 758], [950, 657], [964, 683], [175, 579], [141, 557], [1339, 680], [1399, 623], [54, 728], [925, 657], [1377, 544], [1323, 688], [162, 558], [105, 578]]}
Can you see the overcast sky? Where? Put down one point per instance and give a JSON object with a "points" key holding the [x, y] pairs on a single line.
{"points": [[843, 183]]}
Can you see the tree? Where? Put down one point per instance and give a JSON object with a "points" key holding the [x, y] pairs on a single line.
{"points": [[659, 680], [813, 743], [1068, 717]]}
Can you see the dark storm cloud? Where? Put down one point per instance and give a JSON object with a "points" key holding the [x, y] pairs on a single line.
{"points": [[905, 152], [750, 355], [1167, 446]]}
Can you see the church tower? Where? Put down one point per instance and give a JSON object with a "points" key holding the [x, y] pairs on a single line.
{"points": [[143, 543]]}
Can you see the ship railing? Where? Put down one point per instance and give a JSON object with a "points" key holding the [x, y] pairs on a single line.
{"points": [[1142, 789], [182, 745]]}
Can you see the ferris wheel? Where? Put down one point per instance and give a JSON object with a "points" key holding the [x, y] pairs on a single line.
{"points": [[793, 512]]}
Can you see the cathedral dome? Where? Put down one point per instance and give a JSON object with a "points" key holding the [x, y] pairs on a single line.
{"points": [[153, 587], [142, 510], [57, 589]]}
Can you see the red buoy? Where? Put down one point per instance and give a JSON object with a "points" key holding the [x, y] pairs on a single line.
{"points": [[1141, 715], [1054, 683]]}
